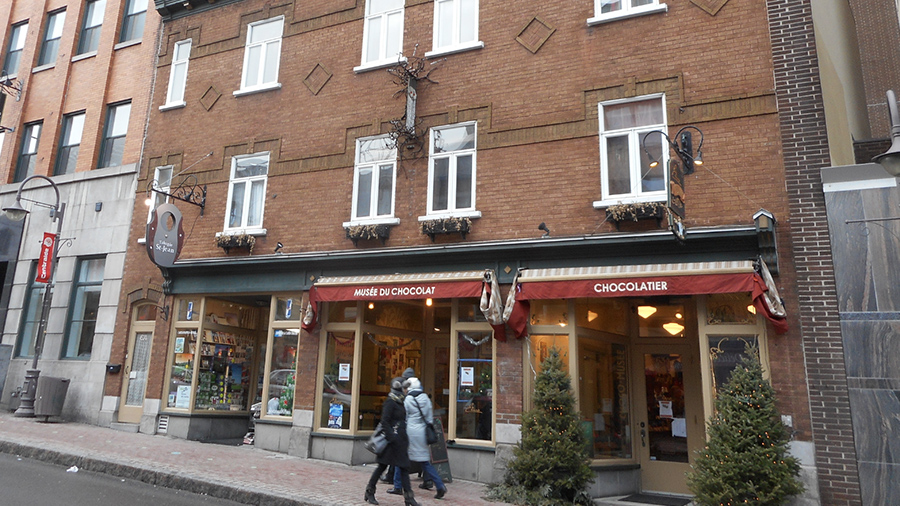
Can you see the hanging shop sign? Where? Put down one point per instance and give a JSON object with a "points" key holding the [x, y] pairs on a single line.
{"points": [[45, 260], [165, 235]]}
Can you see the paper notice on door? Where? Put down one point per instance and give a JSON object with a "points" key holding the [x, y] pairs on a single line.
{"points": [[466, 376], [344, 372], [665, 409], [679, 427]]}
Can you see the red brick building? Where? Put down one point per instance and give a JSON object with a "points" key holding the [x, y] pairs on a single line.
{"points": [[336, 224]]}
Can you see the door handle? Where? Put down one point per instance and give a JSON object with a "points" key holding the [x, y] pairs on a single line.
{"points": [[643, 438]]}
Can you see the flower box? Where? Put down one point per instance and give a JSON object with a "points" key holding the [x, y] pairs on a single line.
{"points": [[462, 226], [634, 212], [381, 231], [227, 242]]}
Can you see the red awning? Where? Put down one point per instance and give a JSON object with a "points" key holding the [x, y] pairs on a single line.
{"points": [[639, 281], [437, 285]]}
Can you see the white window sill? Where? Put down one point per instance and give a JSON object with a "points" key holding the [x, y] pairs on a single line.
{"points": [[381, 221], [43, 68], [632, 13], [174, 105], [256, 232], [602, 204], [459, 48], [457, 214], [127, 43], [84, 56], [380, 64], [258, 89]]}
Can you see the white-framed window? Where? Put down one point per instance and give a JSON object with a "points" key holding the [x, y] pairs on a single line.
{"points": [[247, 192], [262, 56], [382, 33], [451, 170], [374, 180], [178, 75], [611, 10], [625, 173], [162, 181], [455, 26]]}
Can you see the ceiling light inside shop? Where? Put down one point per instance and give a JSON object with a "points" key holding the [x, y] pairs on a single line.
{"points": [[751, 309], [646, 311], [679, 315], [371, 305], [592, 316], [673, 328], [429, 302]]}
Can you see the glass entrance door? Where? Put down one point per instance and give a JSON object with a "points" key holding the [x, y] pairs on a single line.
{"points": [[137, 363], [669, 416]]}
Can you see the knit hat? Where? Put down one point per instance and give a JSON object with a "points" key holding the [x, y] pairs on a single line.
{"points": [[413, 384], [397, 386], [409, 373]]}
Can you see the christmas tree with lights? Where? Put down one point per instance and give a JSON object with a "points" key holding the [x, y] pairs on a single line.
{"points": [[550, 466], [746, 460]]}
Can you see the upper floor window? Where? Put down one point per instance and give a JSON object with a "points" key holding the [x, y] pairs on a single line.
{"points": [[609, 10], [455, 25], [14, 51], [28, 155], [83, 308], [112, 151], [133, 24], [52, 34], [162, 181], [451, 170], [383, 32], [69, 142], [625, 171], [178, 74], [90, 29], [374, 179], [247, 191], [262, 55]]}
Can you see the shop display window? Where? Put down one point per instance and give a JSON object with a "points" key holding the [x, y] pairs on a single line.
{"points": [[182, 373], [725, 353], [282, 372], [540, 350], [395, 314], [604, 399], [550, 312], [470, 311], [288, 309], [661, 319], [605, 315], [475, 386], [730, 309], [337, 383], [188, 310], [342, 312]]}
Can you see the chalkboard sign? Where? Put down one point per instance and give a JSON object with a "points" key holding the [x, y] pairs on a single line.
{"points": [[439, 453]]}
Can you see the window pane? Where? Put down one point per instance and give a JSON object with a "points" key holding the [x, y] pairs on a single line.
{"points": [[604, 398], [188, 310], [638, 3], [48, 52], [376, 6], [467, 20], [14, 51], [394, 35], [364, 192], [251, 166], [288, 309], [55, 25], [336, 384], [237, 205], [652, 179], [257, 199], [179, 75], [282, 372], [633, 114], [182, 51], [119, 120], [254, 54], [135, 6], [270, 71], [342, 312], [445, 23], [663, 377], [373, 43], [619, 165], [610, 6], [441, 188], [725, 353], [385, 189], [474, 412], [75, 127], [454, 139], [266, 31], [31, 318], [182, 368], [384, 357], [67, 160], [464, 182]]}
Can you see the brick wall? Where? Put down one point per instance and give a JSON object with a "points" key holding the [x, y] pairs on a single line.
{"points": [[805, 146], [878, 33]]}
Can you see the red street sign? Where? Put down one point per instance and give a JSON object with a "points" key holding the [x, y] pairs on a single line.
{"points": [[45, 261]]}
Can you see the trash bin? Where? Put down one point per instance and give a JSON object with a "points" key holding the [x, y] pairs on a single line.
{"points": [[50, 396]]}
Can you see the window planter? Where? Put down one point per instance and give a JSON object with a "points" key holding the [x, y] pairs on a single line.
{"points": [[381, 231], [634, 212], [227, 242], [462, 226]]}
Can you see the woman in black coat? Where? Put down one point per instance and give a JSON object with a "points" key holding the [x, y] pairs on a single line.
{"points": [[393, 420]]}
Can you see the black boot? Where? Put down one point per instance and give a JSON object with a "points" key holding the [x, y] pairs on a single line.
{"points": [[370, 495], [440, 493], [409, 499]]}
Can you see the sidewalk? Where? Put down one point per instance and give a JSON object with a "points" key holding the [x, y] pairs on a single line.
{"points": [[239, 473]]}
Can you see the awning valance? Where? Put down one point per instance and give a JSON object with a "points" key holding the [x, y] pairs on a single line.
{"points": [[432, 285], [642, 281]]}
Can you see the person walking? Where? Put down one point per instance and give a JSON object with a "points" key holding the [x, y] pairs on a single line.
{"points": [[418, 411], [393, 420]]}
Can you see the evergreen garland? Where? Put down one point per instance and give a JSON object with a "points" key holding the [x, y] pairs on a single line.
{"points": [[550, 466], [746, 460]]}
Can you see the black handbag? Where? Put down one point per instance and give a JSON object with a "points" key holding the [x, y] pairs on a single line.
{"points": [[430, 434], [377, 441]]}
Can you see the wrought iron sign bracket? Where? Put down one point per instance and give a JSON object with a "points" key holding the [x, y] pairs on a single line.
{"points": [[188, 190]]}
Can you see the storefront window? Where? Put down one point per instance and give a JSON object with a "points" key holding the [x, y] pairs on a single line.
{"points": [[470, 311], [182, 368], [604, 398], [540, 350], [384, 357], [395, 315], [661, 320], [288, 309], [337, 380], [224, 372], [282, 371], [730, 309], [474, 411], [607, 315], [550, 312], [342, 312], [725, 353], [188, 310]]}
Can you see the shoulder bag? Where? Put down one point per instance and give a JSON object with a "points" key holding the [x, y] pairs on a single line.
{"points": [[377, 441], [430, 434]]}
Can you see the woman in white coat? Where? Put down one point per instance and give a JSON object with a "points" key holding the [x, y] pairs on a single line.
{"points": [[418, 409]]}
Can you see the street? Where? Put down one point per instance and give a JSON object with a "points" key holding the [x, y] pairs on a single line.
{"points": [[26, 482]]}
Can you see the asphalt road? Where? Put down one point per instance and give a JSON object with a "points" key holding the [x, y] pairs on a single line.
{"points": [[25, 482]]}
